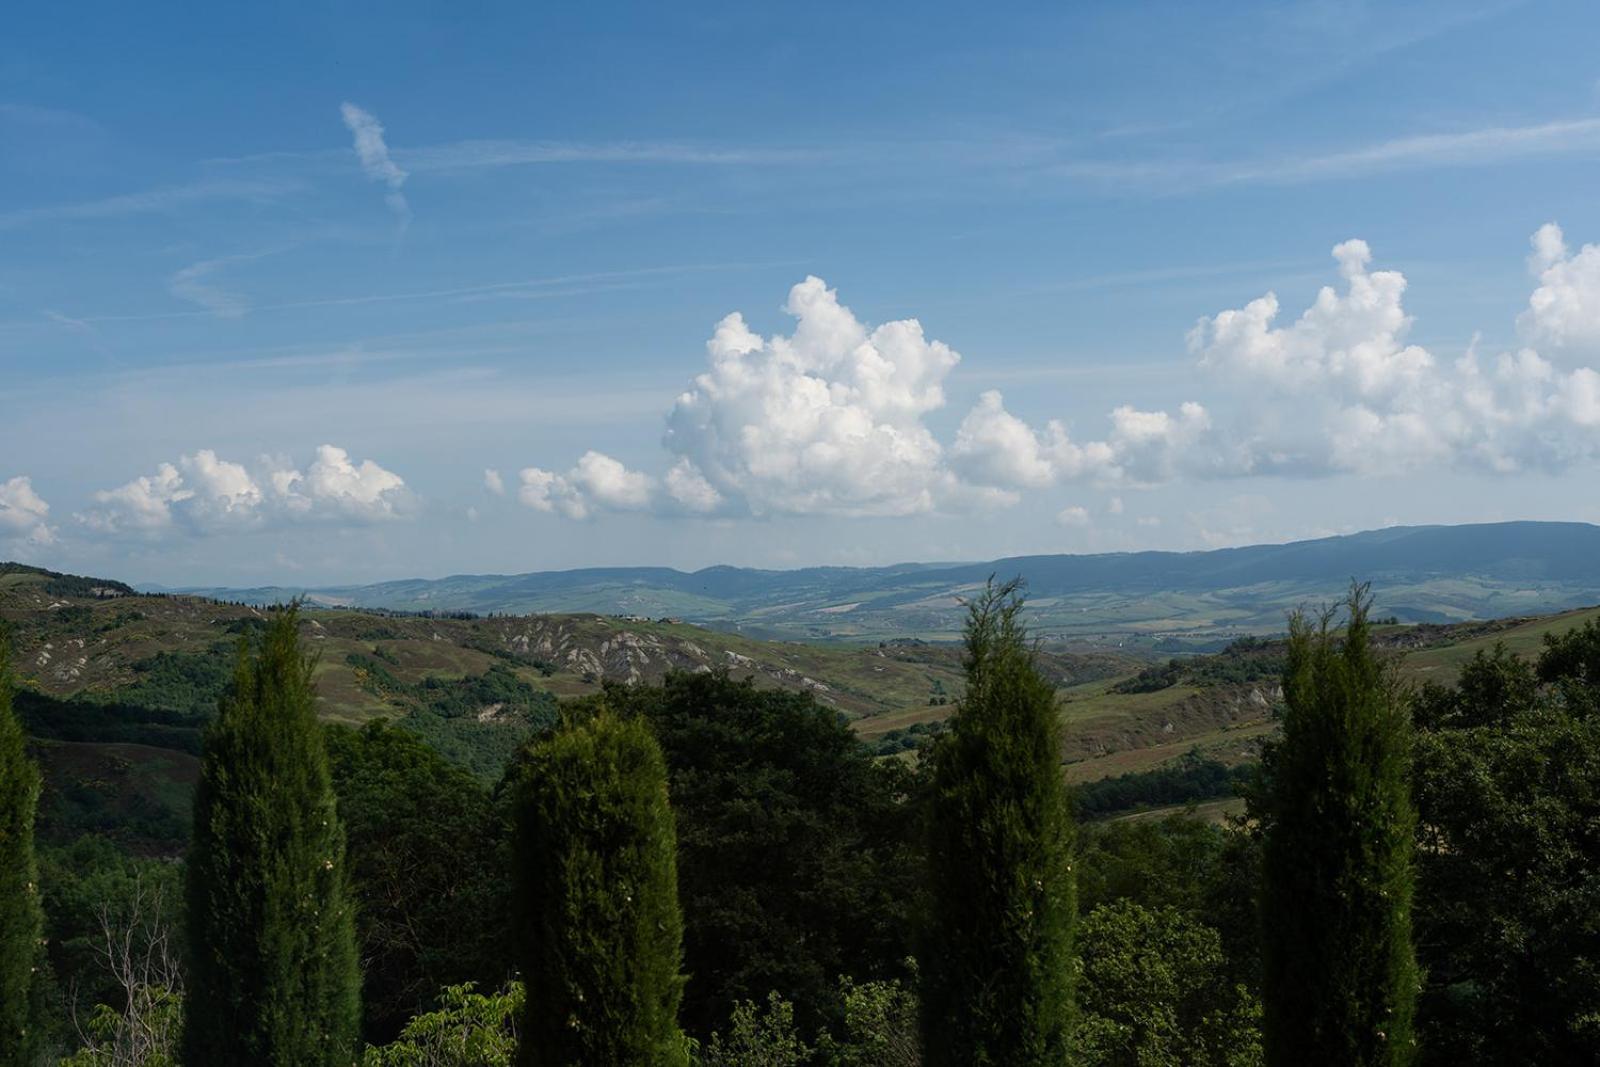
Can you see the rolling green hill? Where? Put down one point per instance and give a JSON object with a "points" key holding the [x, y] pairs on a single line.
{"points": [[117, 685]]}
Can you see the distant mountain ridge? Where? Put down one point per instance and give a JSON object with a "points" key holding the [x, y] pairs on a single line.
{"points": [[1419, 573]]}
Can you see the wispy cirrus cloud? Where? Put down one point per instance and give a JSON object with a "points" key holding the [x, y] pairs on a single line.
{"points": [[373, 152], [67, 322], [194, 284], [283, 173], [471, 155], [47, 118], [1492, 144], [154, 201], [528, 288], [1483, 146], [513, 152]]}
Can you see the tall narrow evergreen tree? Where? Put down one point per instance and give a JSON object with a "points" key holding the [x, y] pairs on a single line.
{"points": [[597, 874], [273, 973], [1339, 978], [998, 958], [20, 918]]}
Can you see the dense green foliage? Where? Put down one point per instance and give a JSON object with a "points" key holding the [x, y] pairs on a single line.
{"points": [[596, 870], [138, 1018], [190, 683], [1206, 873], [1189, 778], [1174, 935], [58, 584], [543, 666], [123, 795], [171, 697], [877, 1028], [271, 933], [1508, 776], [20, 915], [1247, 659], [468, 1029], [1493, 688], [169, 701], [758, 1037], [87, 885], [1155, 993], [95, 785], [998, 957], [427, 853], [908, 739], [1339, 979], [113, 1038], [1571, 660], [448, 713], [881, 1027], [798, 857], [109, 720]]}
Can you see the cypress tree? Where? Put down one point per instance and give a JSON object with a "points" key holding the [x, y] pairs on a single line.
{"points": [[597, 872], [998, 958], [20, 916], [273, 976], [1339, 975]]}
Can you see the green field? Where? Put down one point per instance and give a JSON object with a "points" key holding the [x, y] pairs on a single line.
{"points": [[1441, 664]]}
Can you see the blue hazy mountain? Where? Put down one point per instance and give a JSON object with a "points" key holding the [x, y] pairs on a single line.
{"points": [[1419, 573]]}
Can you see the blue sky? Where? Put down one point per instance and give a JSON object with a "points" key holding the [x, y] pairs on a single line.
{"points": [[281, 286]]}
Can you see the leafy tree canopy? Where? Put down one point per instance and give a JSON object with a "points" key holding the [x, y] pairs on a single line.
{"points": [[798, 856]]}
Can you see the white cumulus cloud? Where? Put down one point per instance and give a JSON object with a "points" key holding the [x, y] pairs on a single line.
{"points": [[827, 419], [24, 515], [222, 489], [546, 491], [1564, 311], [1351, 342], [689, 489], [1342, 389], [335, 484], [832, 418], [145, 503], [994, 447], [203, 492], [597, 482], [493, 482], [1151, 447]]}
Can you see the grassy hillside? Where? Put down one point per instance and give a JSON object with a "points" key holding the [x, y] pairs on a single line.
{"points": [[117, 685], [97, 647], [1221, 705]]}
